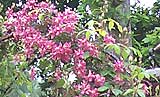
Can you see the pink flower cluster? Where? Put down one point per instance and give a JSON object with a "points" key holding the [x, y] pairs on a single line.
{"points": [[64, 22], [87, 89], [109, 39], [145, 89], [118, 68], [90, 83], [62, 52], [27, 21], [58, 74], [32, 73], [96, 78], [26, 27], [80, 68], [87, 46]]}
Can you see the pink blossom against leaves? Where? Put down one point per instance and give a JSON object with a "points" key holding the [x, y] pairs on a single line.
{"points": [[89, 84], [145, 89], [118, 66], [87, 89], [94, 93], [43, 5], [85, 45], [99, 80], [9, 13], [108, 39], [62, 52], [29, 52], [17, 58], [78, 54], [26, 31], [80, 68], [118, 79], [64, 22], [26, 21], [90, 77], [58, 74], [78, 96], [32, 73], [96, 78]]}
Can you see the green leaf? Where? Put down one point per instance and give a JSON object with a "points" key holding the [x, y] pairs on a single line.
{"points": [[41, 16], [140, 86], [139, 53], [141, 93], [117, 92], [23, 95], [105, 72], [140, 76], [1, 19], [146, 40], [136, 51], [44, 63], [102, 89], [111, 25], [60, 83], [105, 87], [128, 92], [154, 77], [117, 49], [125, 53], [91, 23], [114, 47], [86, 55], [102, 32], [146, 75], [88, 34], [120, 28]]}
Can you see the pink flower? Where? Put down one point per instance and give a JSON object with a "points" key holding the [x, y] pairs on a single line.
{"points": [[94, 93], [118, 66], [9, 13], [85, 45], [109, 39], [58, 74], [62, 52], [17, 58], [32, 73], [26, 21], [90, 77], [99, 80], [90, 83], [78, 54], [145, 89], [117, 79], [80, 68], [86, 89]]}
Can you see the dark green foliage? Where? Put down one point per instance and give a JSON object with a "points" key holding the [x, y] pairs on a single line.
{"points": [[144, 20]]}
